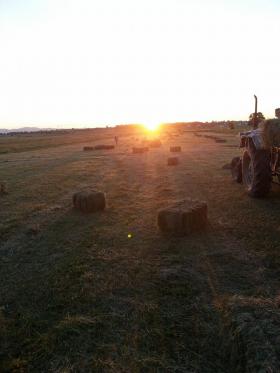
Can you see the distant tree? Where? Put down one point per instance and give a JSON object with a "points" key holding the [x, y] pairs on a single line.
{"points": [[257, 118]]}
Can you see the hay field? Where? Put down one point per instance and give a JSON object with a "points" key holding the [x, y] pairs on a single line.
{"points": [[78, 295]]}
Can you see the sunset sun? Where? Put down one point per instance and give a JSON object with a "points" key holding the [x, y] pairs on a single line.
{"points": [[151, 126]]}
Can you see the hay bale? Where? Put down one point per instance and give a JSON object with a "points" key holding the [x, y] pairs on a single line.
{"points": [[89, 201], [175, 149], [220, 140], [104, 147], [154, 143], [33, 229], [270, 132], [251, 334], [226, 166], [173, 161], [140, 150], [209, 136], [88, 148], [183, 217], [3, 188]]}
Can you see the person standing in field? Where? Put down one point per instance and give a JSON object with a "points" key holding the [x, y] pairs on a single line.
{"points": [[116, 140]]}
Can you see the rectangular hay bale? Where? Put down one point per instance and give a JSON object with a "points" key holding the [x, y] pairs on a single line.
{"points": [[173, 161], [183, 218], [270, 132], [3, 188], [220, 140], [104, 147], [154, 143], [140, 150], [175, 149]]}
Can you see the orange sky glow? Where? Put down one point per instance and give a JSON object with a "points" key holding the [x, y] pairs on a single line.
{"points": [[96, 63]]}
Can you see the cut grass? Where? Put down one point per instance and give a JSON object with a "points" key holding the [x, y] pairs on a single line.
{"points": [[80, 296]]}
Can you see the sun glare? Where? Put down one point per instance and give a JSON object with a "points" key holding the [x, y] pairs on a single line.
{"points": [[151, 126]]}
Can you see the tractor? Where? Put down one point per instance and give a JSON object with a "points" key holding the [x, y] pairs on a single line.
{"points": [[259, 163]]}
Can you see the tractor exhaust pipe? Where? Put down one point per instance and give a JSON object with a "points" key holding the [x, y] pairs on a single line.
{"points": [[255, 122]]}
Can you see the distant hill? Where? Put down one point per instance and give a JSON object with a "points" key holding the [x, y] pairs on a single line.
{"points": [[24, 129]]}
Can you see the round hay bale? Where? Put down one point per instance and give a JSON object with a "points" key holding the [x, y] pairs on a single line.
{"points": [[88, 148], [173, 161], [89, 201], [175, 149]]}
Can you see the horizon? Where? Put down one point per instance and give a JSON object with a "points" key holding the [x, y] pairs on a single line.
{"points": [[93, 126], [136, 62]]}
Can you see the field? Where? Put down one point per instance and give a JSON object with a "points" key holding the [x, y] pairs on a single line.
{"points": [[78, 294]]}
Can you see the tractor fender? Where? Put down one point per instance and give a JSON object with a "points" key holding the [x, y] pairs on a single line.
{"points": [[254, 136]]}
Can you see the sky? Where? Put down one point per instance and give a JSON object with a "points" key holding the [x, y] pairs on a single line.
{"points": [[66, 63]]}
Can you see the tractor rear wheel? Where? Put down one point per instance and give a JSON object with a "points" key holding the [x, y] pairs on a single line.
{"points": [[256, 172], [236, 169]]}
